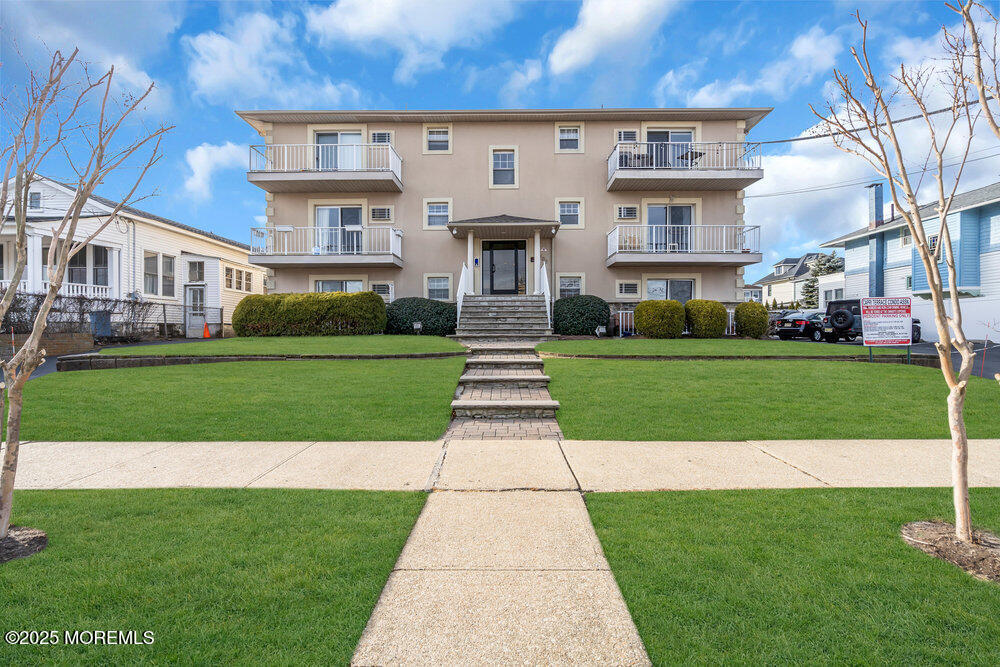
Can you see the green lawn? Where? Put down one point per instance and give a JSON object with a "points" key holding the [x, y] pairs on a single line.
{"points": [[603, 399], [393, 399], [219, 576], [707, 347], [796, 577], [297, 345]]}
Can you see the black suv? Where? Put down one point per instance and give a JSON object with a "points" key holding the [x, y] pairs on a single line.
{"points": [[843, 320]]}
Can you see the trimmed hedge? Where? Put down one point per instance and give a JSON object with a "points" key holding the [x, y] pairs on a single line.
{"points": [[310, 314], [436, 317], [659, 318], [580, 315], [751, 319], [706, 318]]}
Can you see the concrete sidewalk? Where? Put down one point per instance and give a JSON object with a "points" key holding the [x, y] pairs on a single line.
{"points": [[502, 465]]}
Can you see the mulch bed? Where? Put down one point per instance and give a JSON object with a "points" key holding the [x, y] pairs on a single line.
{"points": [[22, 542], [981, 558]]}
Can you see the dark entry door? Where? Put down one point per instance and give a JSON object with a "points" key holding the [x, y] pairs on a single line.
{"points": [[504, 264]]}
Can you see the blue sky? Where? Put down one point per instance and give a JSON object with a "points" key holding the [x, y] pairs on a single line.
{"points": [[209, 59]]}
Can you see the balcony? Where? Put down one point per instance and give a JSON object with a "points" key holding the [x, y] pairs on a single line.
{"points": [[647, 245], [326, 168], [683, 166], [284, 247]]}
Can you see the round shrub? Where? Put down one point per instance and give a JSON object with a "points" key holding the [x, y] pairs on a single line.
{"points": [[705, 318], [311, 314], [750, 319], [659, 319], [580, 315], [436, 317]]}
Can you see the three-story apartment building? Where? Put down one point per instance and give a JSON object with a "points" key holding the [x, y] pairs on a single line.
{"points": [[626, 204]]}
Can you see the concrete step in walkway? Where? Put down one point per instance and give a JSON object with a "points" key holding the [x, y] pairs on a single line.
{"points": [[502, 382]]}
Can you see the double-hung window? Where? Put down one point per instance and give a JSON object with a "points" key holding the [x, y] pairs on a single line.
{"points": [[504, 167], [34, 200], [670, 288], [569, 139], [76, 271], [150, 273], [439, 139], [569, 213], [438, 213], [167, 280], [570, 286], [904, 237], [100, 269], [196, 272], [439, 288]]}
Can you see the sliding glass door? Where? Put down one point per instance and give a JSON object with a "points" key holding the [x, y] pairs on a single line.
{"points": [[339, 151], [339, 229], [669, 227]]}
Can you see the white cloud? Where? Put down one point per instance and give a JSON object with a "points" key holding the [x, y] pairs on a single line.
{"points": [[421, 31], [672, 84], [810, 54], [520, 80], [608, 28], [205, 160], [256, 57]]}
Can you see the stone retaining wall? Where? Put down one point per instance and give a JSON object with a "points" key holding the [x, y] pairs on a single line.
{"points": [[87, 362]]}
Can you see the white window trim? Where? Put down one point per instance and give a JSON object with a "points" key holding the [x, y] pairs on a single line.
{"points": [[243, 290], [670, 201], [579, 125], [629, 297], [438, 200], [571, 274], [451, 284], [159, 273], [439, 126], [313, 277], [489, 171], [576, 200], [392, 214], [646, 277]]}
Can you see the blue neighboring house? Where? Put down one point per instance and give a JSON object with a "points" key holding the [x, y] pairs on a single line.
{"points": [[880, 260]]}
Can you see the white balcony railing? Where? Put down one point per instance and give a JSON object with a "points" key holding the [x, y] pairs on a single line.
{"points": [[326, 157], [734, 155], [326, 241], [684, 239]]}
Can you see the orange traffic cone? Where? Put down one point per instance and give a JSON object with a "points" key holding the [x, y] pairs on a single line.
{"points": [[206, 334]]}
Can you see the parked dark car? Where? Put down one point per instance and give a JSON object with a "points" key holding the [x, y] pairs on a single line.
{"points": [[843, 320], [772, 320], [800, 324]]}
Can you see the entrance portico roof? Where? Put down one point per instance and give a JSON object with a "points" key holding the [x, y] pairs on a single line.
{"points": [[504, 226]]}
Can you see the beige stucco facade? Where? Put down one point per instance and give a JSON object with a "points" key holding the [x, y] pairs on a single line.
{"points": [[544, 176]]}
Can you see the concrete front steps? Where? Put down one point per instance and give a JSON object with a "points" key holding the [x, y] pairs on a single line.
{"points": [[501, 318], [503, 381]]}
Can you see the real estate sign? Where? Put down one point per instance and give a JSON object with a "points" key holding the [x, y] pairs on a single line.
{"points": [[886, 320]]}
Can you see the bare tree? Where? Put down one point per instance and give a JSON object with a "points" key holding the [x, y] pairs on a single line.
{"points": [[64, 113], [984, 68], [859, 120]]}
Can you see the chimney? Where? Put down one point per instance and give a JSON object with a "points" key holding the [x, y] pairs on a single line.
{"points": [[874, 205]]}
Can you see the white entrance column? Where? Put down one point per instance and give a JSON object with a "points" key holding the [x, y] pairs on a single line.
{"points": [[33, 269], [538, 261], [471, 264]]}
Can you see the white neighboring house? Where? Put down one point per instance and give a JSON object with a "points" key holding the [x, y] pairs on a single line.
{"points": [[139, 255], [830, 287], [784, 284]]}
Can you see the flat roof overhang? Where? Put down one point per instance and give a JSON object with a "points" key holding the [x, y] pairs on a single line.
{"points": [[374, 261], [325, 181], [688, 179], [503, 231], [683, 258]]}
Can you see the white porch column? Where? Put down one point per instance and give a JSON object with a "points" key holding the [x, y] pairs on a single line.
{"points": [[538, 261], [33, 270], [471, 264], [114, 279]]}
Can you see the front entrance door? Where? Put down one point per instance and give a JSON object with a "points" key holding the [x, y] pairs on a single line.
{"points": [[503, 267], [194, 311]]}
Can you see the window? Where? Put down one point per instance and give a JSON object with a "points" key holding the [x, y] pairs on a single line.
{"points": [[628, 212], [904, 237], [932, 242], [438, 213], [167, 280], [45, 262], [439, 287], [909, 282], [628, 289], [150, 273], [381, 213], [76, 271], [229, 277], [569, 213], [504, 167], [34, 200], [438, 139], [196, 272], [678, 290], [349, 286], [1, 260], [381, 137], [247, 281], [627, 135], [569, 139], [100, 268], [239, 280], [570, 286]]}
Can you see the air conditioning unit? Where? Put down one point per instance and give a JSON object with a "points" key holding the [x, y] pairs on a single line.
{"points": [[381, 213], [628, 212]]}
